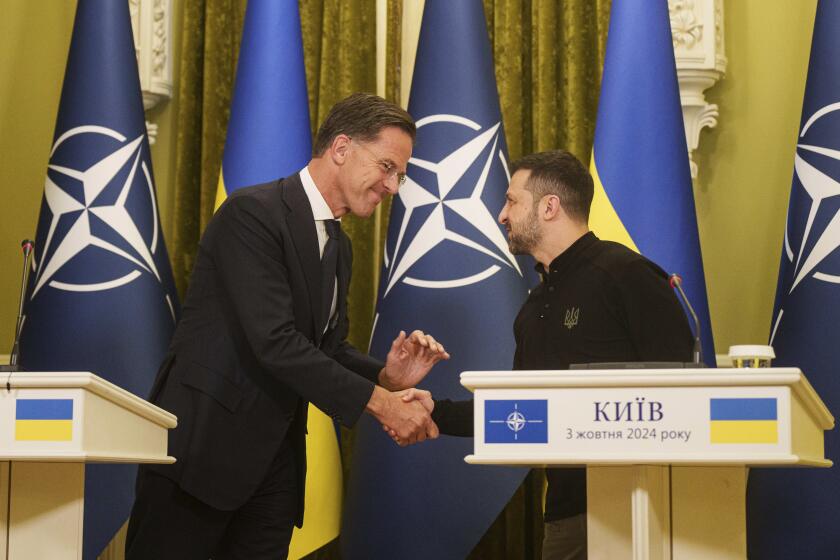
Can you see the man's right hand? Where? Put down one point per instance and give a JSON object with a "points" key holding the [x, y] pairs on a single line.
{"points": [[410, 422]]}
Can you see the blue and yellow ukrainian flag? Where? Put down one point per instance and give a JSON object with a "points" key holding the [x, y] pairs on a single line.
{"points": [[743, 420], [269, 134], [269, 137], [643, 193], [44, 419]]}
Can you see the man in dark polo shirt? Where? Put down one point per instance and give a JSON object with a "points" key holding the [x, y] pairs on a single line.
{"points": [[597, 302]]}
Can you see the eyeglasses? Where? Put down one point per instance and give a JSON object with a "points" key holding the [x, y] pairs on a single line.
{"points": [[387, 167]]}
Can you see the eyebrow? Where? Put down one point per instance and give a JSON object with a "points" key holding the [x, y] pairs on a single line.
{"points": [[397, 167], [388, 162]]}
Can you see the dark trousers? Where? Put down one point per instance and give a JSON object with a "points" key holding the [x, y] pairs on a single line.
{"points": [[565, 539], [167, 523]]}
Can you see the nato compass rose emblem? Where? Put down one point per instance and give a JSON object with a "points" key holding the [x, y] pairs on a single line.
{"points": [[104, 206], [516, 421], [442, 201], [820, 235]]}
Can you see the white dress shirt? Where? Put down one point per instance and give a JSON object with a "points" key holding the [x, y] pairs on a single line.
{"points": [[320, 211]]}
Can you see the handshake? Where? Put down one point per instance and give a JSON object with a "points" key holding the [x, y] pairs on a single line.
{"points": [[405, 412]]}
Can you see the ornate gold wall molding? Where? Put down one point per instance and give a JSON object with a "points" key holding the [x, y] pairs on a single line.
{"points": [[152, 27], [697, 31]]}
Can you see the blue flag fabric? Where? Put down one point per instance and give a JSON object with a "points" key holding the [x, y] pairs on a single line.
{"points": [[101, 298], [448, 272], [793, 513], [269, 134], [643, 193]]}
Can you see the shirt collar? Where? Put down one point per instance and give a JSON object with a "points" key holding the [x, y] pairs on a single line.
{"points": [[320, 208], [564, 259]]}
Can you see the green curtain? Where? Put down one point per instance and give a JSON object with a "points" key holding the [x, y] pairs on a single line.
{"points": [[209, 50], [548, 56]]}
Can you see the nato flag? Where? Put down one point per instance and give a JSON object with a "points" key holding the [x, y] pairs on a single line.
{"points": [[448, 272], [101, 298], [793, 513]]}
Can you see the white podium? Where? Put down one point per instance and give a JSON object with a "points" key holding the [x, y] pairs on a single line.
{"points": [[53, 423], [666, 450]]}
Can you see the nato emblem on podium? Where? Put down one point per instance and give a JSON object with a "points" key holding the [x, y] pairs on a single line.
{"points": [[516, 421]]}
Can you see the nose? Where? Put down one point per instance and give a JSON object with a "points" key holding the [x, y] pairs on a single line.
{"points": [[503, 215], [392, 184]]}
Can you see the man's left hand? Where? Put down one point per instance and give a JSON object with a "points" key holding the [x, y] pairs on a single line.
{"points": [[410, 359]]}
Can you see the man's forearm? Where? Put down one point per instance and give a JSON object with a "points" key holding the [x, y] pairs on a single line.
{"points": [[454, 418]]}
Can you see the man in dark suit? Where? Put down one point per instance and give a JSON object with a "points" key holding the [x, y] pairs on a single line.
{"points": [[262, 334]]}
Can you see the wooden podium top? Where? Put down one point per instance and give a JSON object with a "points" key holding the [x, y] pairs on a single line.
{"points": [[701, 416], [79, 417]]}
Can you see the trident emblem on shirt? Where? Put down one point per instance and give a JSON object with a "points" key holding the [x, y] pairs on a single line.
{"points": [[572, 317]]}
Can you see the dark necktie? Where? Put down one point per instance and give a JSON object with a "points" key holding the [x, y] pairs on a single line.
{"points": [[329, 268]]}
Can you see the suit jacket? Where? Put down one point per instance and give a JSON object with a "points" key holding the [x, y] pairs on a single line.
{"points": [[249, 352]]}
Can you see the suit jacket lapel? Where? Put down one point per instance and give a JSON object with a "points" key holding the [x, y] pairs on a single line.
{"points": [[302, 229]]}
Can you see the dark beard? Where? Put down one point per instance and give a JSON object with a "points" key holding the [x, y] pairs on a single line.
{"points": [[523, 242]]}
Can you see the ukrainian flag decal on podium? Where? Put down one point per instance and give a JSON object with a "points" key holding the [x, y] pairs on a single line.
{"points": [[744, 421], [44, 419]]}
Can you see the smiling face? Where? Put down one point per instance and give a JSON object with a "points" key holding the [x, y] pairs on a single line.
{"points": [[519, 216], [371, 170]]}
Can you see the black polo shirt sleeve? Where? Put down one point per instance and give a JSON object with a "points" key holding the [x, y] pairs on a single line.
{"points": [[454, 418]]}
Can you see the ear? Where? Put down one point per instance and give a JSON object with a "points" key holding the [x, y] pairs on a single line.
{"points": [[552, 207], [340, 148]]}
